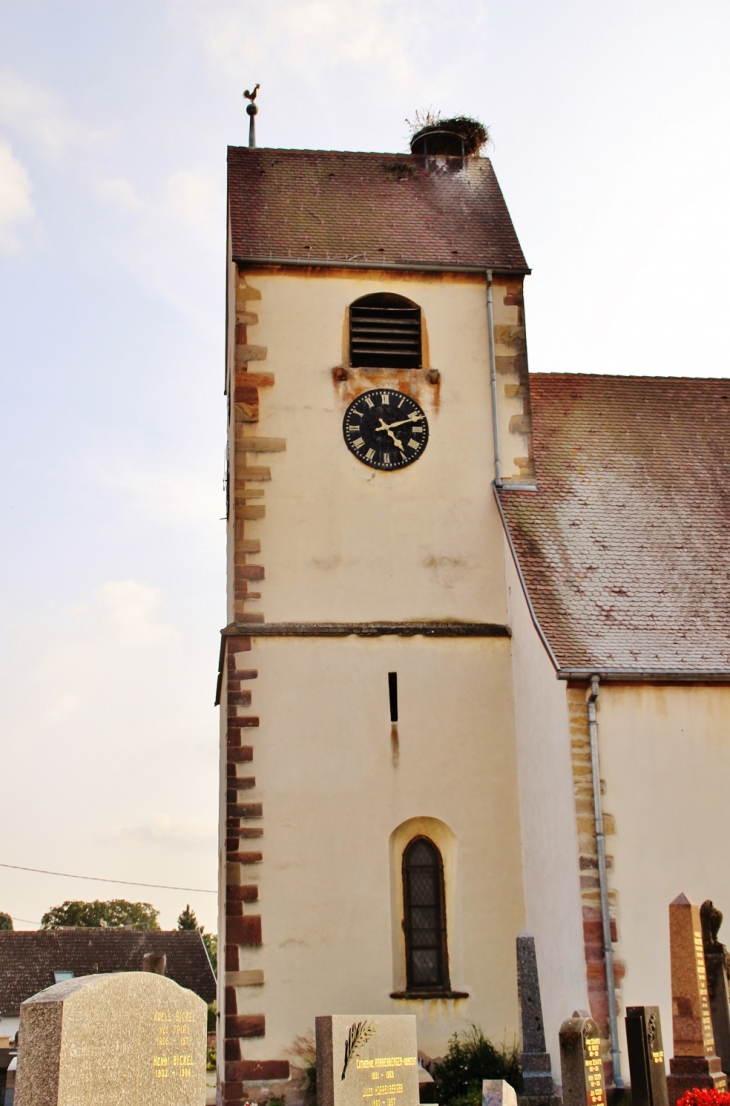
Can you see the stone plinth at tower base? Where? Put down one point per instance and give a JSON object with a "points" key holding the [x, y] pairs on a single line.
{"points": [[694, 1063], [127, 1039]]}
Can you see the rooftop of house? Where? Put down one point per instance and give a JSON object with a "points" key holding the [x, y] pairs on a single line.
{"points": [[624, 547], [317, 207], [29, 958]]}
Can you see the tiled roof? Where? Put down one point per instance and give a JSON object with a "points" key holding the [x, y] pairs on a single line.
{"points": [[625, 546], [316, 205], [28, 959]]}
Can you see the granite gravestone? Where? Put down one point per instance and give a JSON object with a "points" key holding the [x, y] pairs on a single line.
{"points": [[497, 1092], [537, 1078], [694, 1063], [717, 964], [365, 1060], [646, 1056], [580, 1062], [112, 1040]]}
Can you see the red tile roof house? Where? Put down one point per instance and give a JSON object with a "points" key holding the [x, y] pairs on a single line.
{"points": [[31, 960]]}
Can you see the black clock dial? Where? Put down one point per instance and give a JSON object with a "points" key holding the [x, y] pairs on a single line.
{"points": [[385, 429]]}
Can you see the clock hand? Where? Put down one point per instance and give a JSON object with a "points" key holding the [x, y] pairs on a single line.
{"points": [[403, 422], [384, 427]]}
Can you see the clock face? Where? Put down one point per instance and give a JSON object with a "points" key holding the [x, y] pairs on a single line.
{"points": [[385, 429]]}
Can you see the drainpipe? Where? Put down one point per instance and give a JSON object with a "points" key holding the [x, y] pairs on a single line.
{"points": [[603, 882], [493, 382]]}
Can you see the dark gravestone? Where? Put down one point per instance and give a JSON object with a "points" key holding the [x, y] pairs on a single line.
{"points": [[537, 1079], [580, 1062], [646, 1056], [717, 963]]}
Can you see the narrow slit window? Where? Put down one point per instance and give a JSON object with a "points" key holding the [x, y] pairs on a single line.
{"points": [[385, 332], [393, 695], [425, 918]]}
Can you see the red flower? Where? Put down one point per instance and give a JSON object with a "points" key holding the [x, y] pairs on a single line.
{"points": [[705, 1096]]}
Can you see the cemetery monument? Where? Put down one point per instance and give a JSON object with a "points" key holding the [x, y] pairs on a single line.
{"points": [[112, 1040]]}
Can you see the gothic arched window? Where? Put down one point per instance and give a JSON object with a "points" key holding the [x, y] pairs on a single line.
{"points": [[424, 923], [385, 332]]}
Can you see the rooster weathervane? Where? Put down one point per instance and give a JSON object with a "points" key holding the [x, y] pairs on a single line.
{"points": [[252, 112]]}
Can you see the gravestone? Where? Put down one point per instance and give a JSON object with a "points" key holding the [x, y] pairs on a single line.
{"points": [[580, 1062], [717, 964], [694, 1063], [365, 1060], [112, 1040], [497, 1092], [537, 1078], [646, 1056]]}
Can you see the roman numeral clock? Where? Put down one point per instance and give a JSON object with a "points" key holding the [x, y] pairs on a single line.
{"points": [[385, 429]]}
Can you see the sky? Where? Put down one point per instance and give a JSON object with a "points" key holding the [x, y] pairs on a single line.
{"points": [[608, 126]]}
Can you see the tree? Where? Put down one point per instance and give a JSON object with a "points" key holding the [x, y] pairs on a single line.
{"points": [[187, 920], [113, 914], [6, 922], [210, 940]]}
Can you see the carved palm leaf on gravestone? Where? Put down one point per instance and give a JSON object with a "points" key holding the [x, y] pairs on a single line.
{"points": [[359, 1034]]}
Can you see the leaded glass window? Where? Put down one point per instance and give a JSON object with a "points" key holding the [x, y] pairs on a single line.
{"points": [[425, 919]]}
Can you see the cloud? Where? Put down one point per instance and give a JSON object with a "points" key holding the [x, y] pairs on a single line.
{"points": [[39, 115], [118, 192], [196, 199], [309, 36], [16, 208], [157, 495], [162, 830], [65, 706], [130, 610]]}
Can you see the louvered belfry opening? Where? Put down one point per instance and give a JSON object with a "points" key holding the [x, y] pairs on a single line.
{"points": [[425, 917], [385, 332]]}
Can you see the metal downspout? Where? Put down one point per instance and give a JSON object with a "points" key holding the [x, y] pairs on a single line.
{"points": [[603, 882], [493, 383]]}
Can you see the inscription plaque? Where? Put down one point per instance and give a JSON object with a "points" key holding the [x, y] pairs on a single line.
{"points": [[580, 1062], [367, 1060]]}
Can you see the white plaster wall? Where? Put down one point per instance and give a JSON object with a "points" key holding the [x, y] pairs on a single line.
{"points": [[547, 811], [341, 541], [333, 796], [9, 1026], [665, 759]]}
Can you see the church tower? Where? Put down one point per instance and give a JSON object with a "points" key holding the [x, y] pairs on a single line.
{"points": [[370, 845]]}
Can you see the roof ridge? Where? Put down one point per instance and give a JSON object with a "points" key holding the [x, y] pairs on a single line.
{"points": [[249, 151], [630, 376]]}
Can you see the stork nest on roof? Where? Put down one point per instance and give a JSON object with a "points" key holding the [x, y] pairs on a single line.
{"points": [[472, 131]]}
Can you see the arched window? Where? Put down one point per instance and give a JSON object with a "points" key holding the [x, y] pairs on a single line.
{"points": [[385, 332], [427, 966]]}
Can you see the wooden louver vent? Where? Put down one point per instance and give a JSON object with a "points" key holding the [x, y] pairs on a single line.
{"points": [[385, 332]]}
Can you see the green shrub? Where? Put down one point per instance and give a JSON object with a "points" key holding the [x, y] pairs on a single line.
{"points": [[470, 1058]]}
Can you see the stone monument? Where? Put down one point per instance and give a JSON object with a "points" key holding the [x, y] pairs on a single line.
{"points": [[367, 1060], [694, 1063], [537, 1078], [580, 1062], [717, 965], [646, 1056], [112, 1040], [497, 1092]]}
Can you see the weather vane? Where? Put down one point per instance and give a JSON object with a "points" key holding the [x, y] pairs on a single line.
{"points": [[252, 111]]}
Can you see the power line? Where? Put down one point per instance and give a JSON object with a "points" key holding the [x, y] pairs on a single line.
{"points": [[102, 879]]}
